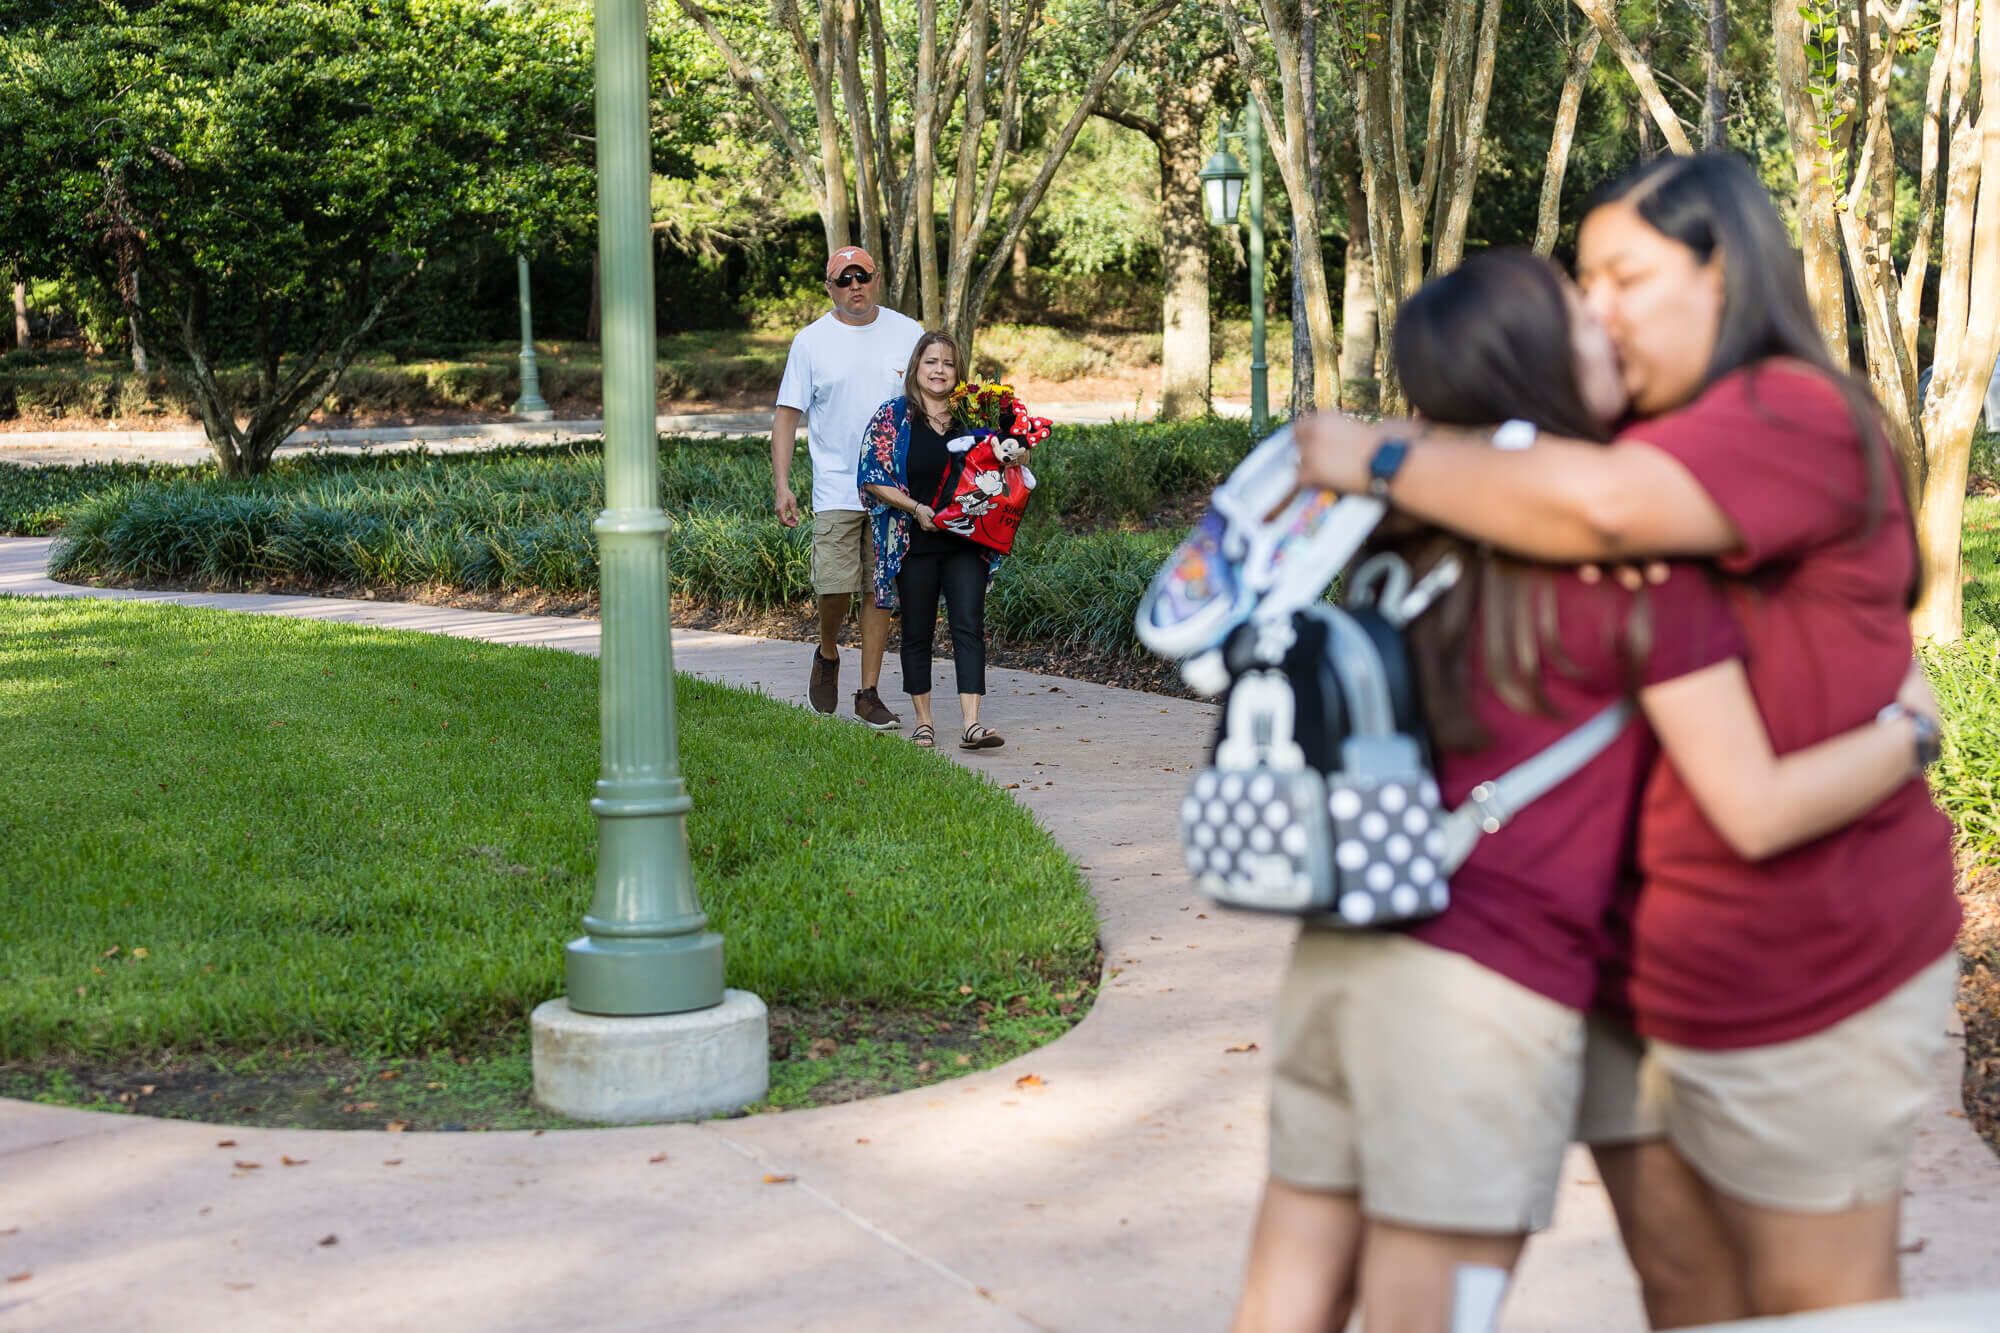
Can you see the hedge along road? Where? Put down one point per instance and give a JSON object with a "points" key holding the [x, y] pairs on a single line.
{"points": [[1102, 1182], [103, 445]]}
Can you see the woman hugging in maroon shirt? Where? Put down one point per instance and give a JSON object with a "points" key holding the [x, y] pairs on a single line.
{"points": [[1793, 1006]]}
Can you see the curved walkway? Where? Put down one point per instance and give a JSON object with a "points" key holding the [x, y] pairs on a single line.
{"points": [[1116, 1195]]}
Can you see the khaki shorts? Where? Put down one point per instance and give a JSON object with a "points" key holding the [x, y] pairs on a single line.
{"points": [[1816, 1125], [1438, 1090], [843, 552]]}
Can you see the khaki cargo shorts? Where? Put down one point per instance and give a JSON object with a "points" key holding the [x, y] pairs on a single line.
{"points": [[1439, 1091], [843, 552], [1817, 1125]]}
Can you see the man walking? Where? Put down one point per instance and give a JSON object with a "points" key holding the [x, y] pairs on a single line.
{"points": [[842, 366]]}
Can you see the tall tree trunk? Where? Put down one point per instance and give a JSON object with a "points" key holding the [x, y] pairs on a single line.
{"points": [[139, 366], [1715, 107], [1303, 387], [1185, 353], [923, 172], [1300, 400], [1818, 236], [1450, 242], [1548, 218], [1288, 140], [1968, 321], [1603, 16], [21, 337], [1357, 302], [593, 320]]}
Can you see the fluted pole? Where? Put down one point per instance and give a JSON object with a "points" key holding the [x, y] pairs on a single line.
{"points": [[647, 949]]}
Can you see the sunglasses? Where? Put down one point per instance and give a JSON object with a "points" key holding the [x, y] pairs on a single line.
{"points": [[847, 280]]}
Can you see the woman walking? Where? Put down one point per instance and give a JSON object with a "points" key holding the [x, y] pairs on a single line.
{"points": [[905, 463], [1796, 1007]]}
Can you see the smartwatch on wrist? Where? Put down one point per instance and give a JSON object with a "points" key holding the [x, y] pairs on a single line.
{"points": [[1385, 463], [1930, 744]]}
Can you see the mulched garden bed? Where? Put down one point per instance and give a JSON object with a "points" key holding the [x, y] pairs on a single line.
{"points": [[1979, 998]]}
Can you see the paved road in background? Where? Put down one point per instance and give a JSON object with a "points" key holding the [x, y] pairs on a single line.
{"points": [[92, 445]]}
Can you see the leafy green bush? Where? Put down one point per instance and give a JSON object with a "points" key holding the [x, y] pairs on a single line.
{"points": [[36, 500], [520, 519]]}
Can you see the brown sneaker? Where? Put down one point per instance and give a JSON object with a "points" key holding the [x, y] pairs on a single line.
{"points": [[824, 686], [869, 708]]}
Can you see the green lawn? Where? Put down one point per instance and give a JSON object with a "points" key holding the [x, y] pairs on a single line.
{"points": [[235, 833]]}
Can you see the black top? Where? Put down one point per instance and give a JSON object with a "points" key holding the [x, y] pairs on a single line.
{"points": [[926, 467]]}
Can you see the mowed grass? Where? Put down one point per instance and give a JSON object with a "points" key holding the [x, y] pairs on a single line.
{"points": [[225, 833]]}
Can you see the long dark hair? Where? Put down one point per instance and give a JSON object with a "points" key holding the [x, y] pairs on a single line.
{"points": [[1714, 202], [1486, 343]]}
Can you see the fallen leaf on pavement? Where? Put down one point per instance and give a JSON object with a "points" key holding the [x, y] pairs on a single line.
{"points": [[20, 1277], [392, 1161], [657, 1158], [225, 1143], [329, 1240], [1029, 1081], [294, 1161], [779, 1180], [249, 1166], [239, 1286], [1914, 1247], [861, 1140], [1238, 1050]]}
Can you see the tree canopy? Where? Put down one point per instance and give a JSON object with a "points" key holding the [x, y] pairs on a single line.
{"points": [[271, 174]]}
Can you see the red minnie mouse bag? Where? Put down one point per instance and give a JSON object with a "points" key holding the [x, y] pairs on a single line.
{"points": [[991, 483]]}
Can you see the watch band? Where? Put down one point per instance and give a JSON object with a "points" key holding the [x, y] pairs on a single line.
{"points": [[1929, 740], [1385, 463]]}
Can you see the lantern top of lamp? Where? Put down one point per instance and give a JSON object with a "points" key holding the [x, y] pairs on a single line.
{"points": [[1223, 166]]}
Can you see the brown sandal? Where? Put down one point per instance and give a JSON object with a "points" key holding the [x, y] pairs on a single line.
{"points": [[924, 737], [979, 736]]}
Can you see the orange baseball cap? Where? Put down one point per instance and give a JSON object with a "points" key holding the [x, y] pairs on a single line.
{"points": [[847, 257]]}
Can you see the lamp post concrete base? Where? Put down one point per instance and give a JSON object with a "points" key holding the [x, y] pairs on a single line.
{"points": [[542, 414], [638, 1070]]}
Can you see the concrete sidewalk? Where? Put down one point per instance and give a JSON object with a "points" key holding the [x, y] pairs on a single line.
{"points": [[100, 445], [1115, 1196]]}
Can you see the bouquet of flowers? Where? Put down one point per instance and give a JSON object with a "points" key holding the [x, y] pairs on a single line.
{"points": [[985, 406]]}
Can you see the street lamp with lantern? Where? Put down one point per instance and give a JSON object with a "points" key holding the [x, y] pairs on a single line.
{"points": [[1222, 182]]}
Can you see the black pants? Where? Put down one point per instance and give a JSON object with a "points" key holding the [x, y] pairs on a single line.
{"points": [[961, 576]]}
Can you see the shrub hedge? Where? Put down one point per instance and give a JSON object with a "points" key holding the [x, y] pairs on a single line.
{"points": [[519, 520]]}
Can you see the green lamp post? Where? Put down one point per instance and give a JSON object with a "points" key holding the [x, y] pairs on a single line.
{"points": [[530, 406], [646, 947], [1222, 181]]}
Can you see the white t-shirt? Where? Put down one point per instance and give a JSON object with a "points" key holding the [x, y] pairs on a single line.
{"points": [[838, 374]]}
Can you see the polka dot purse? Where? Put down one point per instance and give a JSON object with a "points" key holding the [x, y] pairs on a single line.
{"points": [[1321, 800]]}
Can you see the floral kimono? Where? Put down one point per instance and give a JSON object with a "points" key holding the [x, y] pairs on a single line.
{"points": [[885, 453]]}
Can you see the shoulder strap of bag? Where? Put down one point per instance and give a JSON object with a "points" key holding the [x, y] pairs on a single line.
{"points": [[1492, 805]]}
